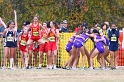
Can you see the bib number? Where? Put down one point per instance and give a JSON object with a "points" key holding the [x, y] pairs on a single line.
{"points": [[45, 39], [52, 39], [35, 33], [23, 42], [113, 39], [9, 38]]}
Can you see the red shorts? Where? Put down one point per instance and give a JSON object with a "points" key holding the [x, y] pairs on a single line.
{"points": [[44, 47], [31, 48], [22, 48], [35, 38], [52, 46]]}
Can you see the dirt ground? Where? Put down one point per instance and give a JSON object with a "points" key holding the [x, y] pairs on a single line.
{"points": [[61, 75]]}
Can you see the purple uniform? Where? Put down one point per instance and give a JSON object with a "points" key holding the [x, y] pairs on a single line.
{"points": [[99, 45], [106, 41], [79, 42], [70, 44]]}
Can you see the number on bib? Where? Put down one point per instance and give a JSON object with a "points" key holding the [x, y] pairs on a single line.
{"points": [[114, 39]]}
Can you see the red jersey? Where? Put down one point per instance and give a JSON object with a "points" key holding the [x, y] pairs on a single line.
{"points": [[24, 39], [44, 35], [52, 37], [35, 29]]}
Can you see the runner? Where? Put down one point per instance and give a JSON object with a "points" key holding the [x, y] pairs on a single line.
{"points": [[53, 36], [10, 37]]}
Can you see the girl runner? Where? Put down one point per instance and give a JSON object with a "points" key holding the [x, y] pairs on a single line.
{"points": [[10, 35], [43, 47], [53, 36], [113, 35], [35, 32], [99, 49], [69, 50], [22, 39]]}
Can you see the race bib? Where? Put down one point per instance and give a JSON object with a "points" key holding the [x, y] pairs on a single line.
{"points": [[45, 39], [9, 38], [35, 33], [52, 39], [113, 38], [23, 42]]}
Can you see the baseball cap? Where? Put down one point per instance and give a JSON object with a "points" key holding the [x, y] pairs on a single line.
{"points": [[26, 23], [65, 21]]}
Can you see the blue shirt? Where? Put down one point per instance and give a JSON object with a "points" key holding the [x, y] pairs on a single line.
{"points": [[17, 33], [113, 33], [64, 29], [2, 29]]}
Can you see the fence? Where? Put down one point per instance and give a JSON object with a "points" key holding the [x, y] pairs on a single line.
{"points": [[63, 55]]}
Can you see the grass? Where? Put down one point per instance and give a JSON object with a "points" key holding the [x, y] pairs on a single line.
{"points": [[60, 75]]}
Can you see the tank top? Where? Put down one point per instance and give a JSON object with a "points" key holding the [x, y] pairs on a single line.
{"points": [[35, 29], [100, 43], [52, 37], [24, 40], [44, 35], [9, 36]]}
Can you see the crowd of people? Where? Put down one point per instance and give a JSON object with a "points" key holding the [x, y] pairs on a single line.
{"points": [[43, 38], [105, 41]]}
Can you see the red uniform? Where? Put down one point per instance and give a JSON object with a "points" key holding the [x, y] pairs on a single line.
{"points": [[35, 49], [22, 43], [52, 44], [44, 47], [35, 32]]}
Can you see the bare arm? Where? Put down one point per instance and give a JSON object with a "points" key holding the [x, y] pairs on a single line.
{"points": [[15, 15], [2, 22], [4, 32], [90, 35], [57, 34]]}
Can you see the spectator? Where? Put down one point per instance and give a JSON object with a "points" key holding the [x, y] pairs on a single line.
{"points": [[60, 26], [2, 28], [107, 23], [64, 28]]}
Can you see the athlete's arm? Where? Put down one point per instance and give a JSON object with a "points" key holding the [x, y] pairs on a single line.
{"points": [[15, 20], [90, 35], [57, 34], [40, 29], [2, 22]]}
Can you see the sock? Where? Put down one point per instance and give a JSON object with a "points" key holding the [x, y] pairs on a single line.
{"points": [[40, 65], [11, 62]]}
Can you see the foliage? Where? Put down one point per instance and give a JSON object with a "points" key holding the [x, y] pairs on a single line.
{"points": [[72, 10]]}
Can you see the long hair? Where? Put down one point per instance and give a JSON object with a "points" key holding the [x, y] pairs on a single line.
{"points": [[103, 25], [55, 24], [10, 21]]}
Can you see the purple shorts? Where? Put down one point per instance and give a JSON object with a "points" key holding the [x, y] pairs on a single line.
{"points": [[78, 44], [69, 46]]}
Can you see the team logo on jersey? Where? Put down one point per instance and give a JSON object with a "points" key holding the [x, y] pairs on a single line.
{"points": [[35, 31]]}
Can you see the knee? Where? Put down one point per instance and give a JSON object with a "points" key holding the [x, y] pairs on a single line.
{"points": [[49, 55], [55, 55]]}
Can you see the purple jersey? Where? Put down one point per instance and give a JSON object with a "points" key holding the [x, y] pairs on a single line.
{"points": [[106, 41], [99, 45], [70, 44]]}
